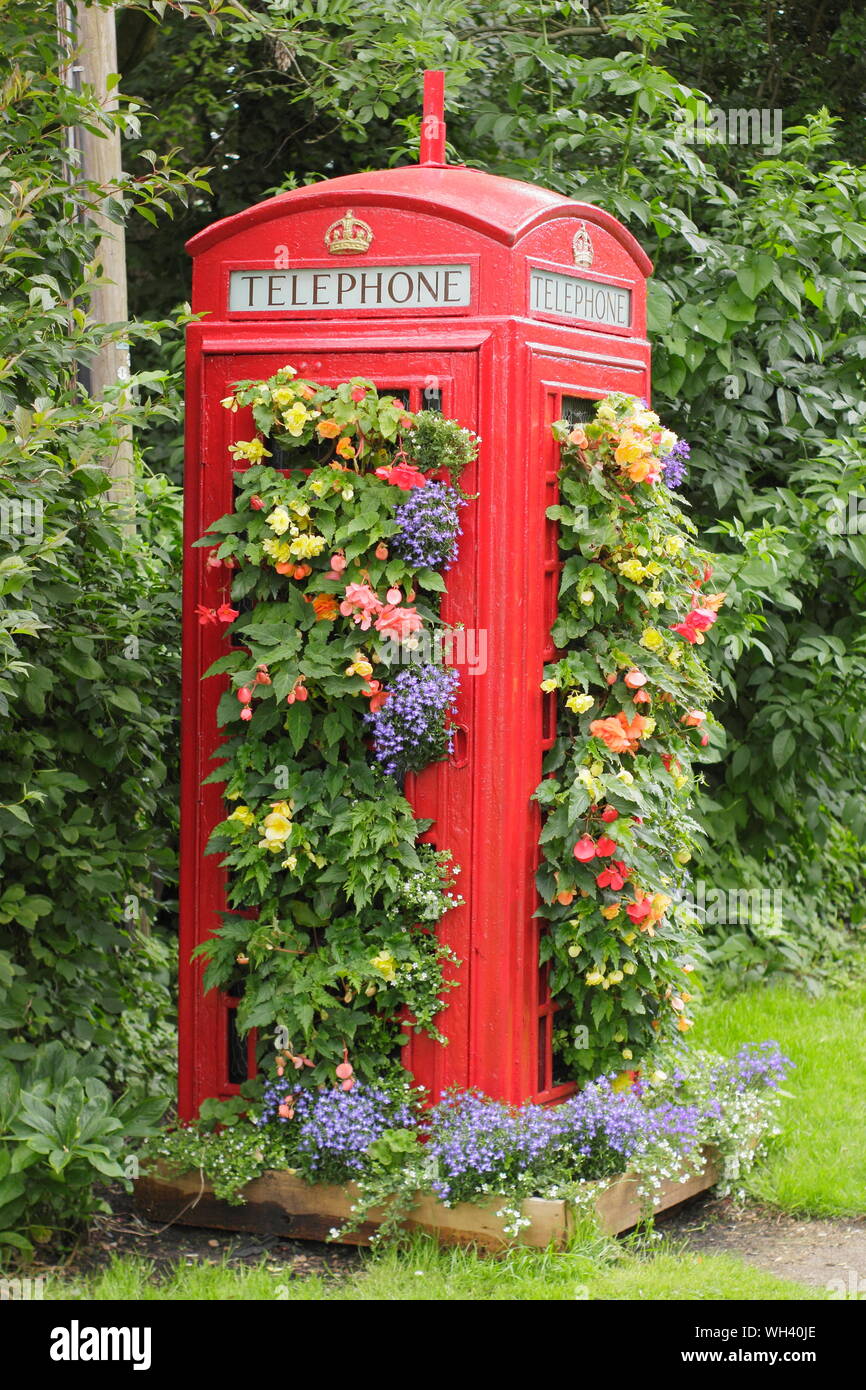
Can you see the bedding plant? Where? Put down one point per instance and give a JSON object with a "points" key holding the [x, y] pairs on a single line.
{"points": [[654, 1122]]}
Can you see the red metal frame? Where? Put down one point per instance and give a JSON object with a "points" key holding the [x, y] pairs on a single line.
{"points": [[502, 372]]}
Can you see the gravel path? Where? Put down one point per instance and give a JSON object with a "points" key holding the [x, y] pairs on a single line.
{"points": [[824, 1254]]}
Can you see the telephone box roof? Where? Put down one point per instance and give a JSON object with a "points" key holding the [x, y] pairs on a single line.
{"points": [[503, 209]]}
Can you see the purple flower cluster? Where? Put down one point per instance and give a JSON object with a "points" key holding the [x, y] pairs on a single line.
{"points": [[473, 1140], [409, 730], [759, 1067], [481, 1144], [332, 1128], [673, 464], [429, 526]]}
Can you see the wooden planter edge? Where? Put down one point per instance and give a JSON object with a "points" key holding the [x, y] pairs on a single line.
{"points": [[280, 1203]]}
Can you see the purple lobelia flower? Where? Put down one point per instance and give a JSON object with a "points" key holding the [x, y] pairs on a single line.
{"points": [[409, 730], [429, 526], [334, 1128], [673, 464]]}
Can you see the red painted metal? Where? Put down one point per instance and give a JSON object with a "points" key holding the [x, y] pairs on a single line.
{"points": [[433, 120], [503, 370]]}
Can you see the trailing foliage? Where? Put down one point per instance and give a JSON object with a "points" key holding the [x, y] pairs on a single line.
{"points": [[321, 844], [619, 785]]}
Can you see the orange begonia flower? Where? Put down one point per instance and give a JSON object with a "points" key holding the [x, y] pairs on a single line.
{"points": [[325, 607]]}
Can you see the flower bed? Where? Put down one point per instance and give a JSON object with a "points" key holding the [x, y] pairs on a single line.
{"points": [[349, 1164]]}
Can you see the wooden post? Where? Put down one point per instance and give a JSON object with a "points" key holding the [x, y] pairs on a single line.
{"points": [[91, 47]]}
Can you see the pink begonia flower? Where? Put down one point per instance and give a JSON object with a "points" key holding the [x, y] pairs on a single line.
{"points": [[398, 622], [402, 475], [360, 604]]}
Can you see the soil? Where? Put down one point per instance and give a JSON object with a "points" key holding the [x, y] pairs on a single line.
{"points": [[823, 1254], [125, 1233]]}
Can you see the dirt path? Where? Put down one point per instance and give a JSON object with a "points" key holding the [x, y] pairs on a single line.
{"points": [[824, 1254]]}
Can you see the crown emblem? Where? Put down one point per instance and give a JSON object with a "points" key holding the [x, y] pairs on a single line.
{"points": [[348, 234], [582, 247]]}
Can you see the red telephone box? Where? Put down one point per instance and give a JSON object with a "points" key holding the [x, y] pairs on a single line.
{"points": [[507, 306]]}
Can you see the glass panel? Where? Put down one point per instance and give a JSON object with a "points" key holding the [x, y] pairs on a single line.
{"points": [[578, 410], [543, 1054], [236, 1051]]}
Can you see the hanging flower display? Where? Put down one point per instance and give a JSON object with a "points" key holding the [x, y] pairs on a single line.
{"points": [[333, 558], [633, 613]]}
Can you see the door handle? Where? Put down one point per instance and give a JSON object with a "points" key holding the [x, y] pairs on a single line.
{"points": [[459, 755]]}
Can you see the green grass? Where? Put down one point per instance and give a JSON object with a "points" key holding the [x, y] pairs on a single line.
{"points": [[596, 1271], [818, 1166]]}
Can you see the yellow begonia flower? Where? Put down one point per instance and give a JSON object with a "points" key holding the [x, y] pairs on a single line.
{"points": [[587, 596], [549, 685], [633, 570], [629, 967], [279, 551], [579, 704], [649, 728], [284, 395], [586, 780], [283, 808], [300, 508], [593, 977], [229, 403], [279, 520], [655, 597], [625, 776], [360, 666], [305, 547], [652, 639], [253, 450], [654, 568], [295, 419], [290, 863], [385, 964], [277, 829], [675, 655], [674, 545], [244, 815], [319, 487], [611, 911], [596, 769]]}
